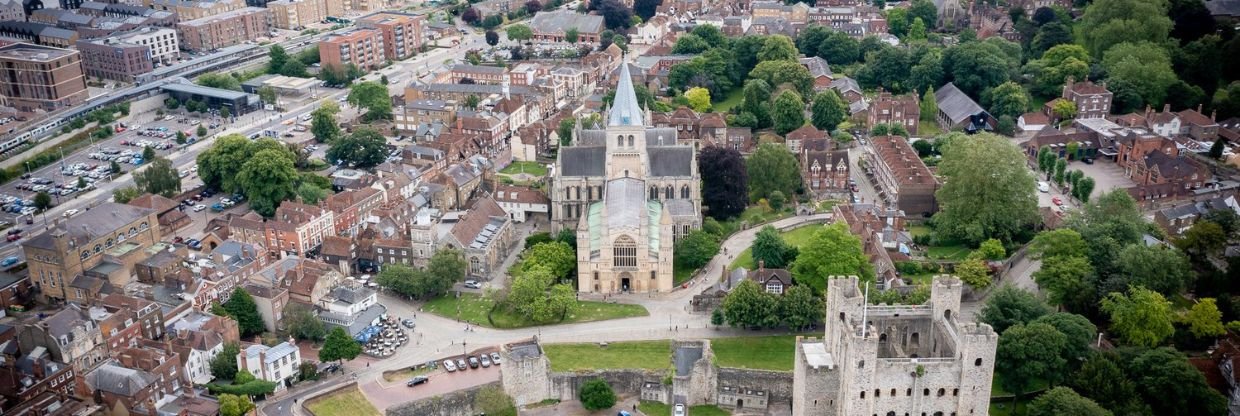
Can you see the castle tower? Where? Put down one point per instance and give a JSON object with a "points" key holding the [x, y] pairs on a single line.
{"points": [[945, 298]]}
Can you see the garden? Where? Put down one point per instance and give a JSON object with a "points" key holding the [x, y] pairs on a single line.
{"points": [[482, 311]]}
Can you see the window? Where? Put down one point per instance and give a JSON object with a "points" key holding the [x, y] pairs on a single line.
{"points": [[624, 252], [684, 191], [619, 141], [775, 288], [861, 364], [631, 140], [475, 265], [977, 362], [653, 275], [669, 193], [942, 392]]}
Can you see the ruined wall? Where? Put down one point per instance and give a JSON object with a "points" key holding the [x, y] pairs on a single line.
{"points": [[776, 384], [457, 403], [564, 386]]}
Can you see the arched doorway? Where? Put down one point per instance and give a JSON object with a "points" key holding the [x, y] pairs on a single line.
{"points": [[740, 403], [626, 282]]}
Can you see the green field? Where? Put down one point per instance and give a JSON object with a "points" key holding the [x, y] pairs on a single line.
{"points": [[345, 403], [760, 353], [659, 409], [473, 308], [529, 168], [951, 252], [681, 275], [733, 99], [797, 237], [650, 355]]}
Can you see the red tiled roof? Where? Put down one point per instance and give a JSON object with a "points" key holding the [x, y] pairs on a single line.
{"points": [[1194, 117]]}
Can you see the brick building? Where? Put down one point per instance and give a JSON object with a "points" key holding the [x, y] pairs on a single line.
{"points": [[904, 110], [402, 32], [903, 179], [41, 77], [361, 47], [225, 29]]}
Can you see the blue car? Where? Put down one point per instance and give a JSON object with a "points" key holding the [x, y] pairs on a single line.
{"points": [[8, 261], [194, 244]]}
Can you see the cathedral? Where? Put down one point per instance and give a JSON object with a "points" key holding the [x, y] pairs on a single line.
{"points": [[630, 191]]}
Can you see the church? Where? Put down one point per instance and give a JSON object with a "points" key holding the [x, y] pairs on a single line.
{"points": [[630, 191]]}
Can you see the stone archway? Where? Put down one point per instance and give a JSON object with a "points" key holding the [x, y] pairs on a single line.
{"points": [[626, 282]]}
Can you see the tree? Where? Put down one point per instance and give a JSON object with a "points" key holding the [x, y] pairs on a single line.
{"points": [[770, 250], [1078, 332], [1203, 239], [799, 308], [323, 122], [492, 400], [224, 113], [917, 30], [365, 148], [1216, 150], [1009, 306], [1145, 66], [924, 10], [1008, 99], [749, 306], [699, 99], [787, 112], [1110, 22], [125, 194], [114, 167], [42, 201], [772, 168], [898, 22], [831, 251], [984, 171], [1083, 189], [520, 32], [535, 295], [224, 365], [277, 56], [148, 153], [725, 182], [974, 272], [596, 394], [1064, 278], [1056, 65], [233, 405], [267, 94], [339, 346], [696, 249], [1160, 269], [219, 80], [492, 38], [267, 179], [690, 44], [757, 97], [571, 35], [1204, 319], [241, 307], [887, 68], [1141, 317], [1030, 352], [843, 49], [1226, 219], [294, 68], [448, 264], [1170, 385], [778, 48], [929, 106], [615, 14], [169, 103], [779, 72], [992, 249], [374, 98], [557, 256], [565, 131], [976, 66], [311, 194], [202, 131], [1064, 401], [1060, 166], [828, 110], [471, 16], [160, 178], [1064, 110], [303, 323], [1100, 379]]}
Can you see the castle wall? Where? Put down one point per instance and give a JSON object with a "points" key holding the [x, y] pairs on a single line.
{"points": [[564, 386], [456, 403], [526, 380], [776, 384]]}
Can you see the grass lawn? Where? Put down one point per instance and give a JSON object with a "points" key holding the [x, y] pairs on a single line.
{"points": [[654, 408], [733, 99], [708, 410], [530, 168], [918, 230], [928, 129], [756, 215], [473, 308], [651, 355], [759, 353], [348, 402], [954, 252], [797, 237], [1003, 407], [828, 205], [404, 374], [996, 387]]}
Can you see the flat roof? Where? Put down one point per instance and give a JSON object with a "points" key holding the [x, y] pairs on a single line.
{"points": [[29, 52], [816, 355], [204, 91]]}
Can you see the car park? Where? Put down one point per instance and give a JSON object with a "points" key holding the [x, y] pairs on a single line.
{"points": [[460, 364], [199, 207], [408, 323], [418, 380]]}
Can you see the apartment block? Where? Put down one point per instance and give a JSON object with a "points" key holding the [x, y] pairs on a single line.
{"points": [[362, 47], [226, 29], [194, 10], [12, 10], [295, 14], [402, 32], [125, 56], [41, 77]]}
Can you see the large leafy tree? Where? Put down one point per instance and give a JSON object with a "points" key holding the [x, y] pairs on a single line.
{"points": [[1204, 319], [974, 272], [1066, 280], [696, 249], [1009, 306], [374, 97], [799, 308], [339, 346], [725, 182], [241, 307], [323, 122], [1103, 381], [988, 171], [536, 296], [1144, 65], [977, 66], [233, 405], [831, 251], [303, 323], [596, 394], [828, 110], [519, 32], [778, 48], [779, 72], [770, 250], [1141, 317], [1064, 401], [1109, 22], [219, 80], [748, 306], [1056, 65], [267, 179], [1079, 334], [887, 68], [757, 101], [1030, 352], [1172, 386], [224, 365], [1160, 269], [1007, 99], [788, 112], [159, 178], [364, 148], [772, 168], [557, 256]]}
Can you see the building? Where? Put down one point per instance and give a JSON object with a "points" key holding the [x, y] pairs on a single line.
{"points": [[479, 74], [863, 363], [42, 34], [825, 169], [882, 232], [903, 110], [351, 208], [959, 112], [225, 29], [138, 381], [521, 202], [41, 78], [12, 10], [87, 242], [1177, 219], [352, 307], [236, 102], [820, 71], [125, 56], [903, 179], [551, 26], [630, 191], [296, 14], [1092, 100], [773, 281], [196, 349], [188, 10], [69, 336], [23, 377], [146, 315], [276, 364], [123, 11], [361, 47], [485, 235], [402, 32]]}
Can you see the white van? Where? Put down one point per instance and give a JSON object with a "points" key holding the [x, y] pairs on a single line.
{"points": [[1044, 187]]}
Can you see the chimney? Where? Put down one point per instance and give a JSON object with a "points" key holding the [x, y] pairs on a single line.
{"points": [[1198, 108], [1166, 108], [1213, 115], [761, 265]]}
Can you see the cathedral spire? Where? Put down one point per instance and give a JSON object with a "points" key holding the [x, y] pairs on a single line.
{"points": [[625, 110]]}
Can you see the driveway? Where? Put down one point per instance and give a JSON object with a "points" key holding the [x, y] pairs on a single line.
{"points": [[1107, 176]]}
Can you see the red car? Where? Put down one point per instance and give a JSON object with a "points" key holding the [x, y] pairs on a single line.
{"points": [[1057, 201], [14, 237]]}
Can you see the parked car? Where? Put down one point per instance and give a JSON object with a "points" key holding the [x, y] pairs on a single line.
{"points": [[473, 362], [484, 360], [408, 323], [418, 380], [495, 358], [1057, 201], [14, 237], [1044, 187], [460, 364], [194, 244], [449, 366], [679, 411], [473, 284], [8, 261], [70, 213], [15, 231]]}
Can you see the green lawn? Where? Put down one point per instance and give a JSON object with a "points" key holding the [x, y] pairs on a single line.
{"points": [[918, 230], [651, 355], [928, 129], [708, 410], [797, 237], [473, 308], [760, 353], [349, 402], [953, 252], [996, 387], [828, 205], [733, 99], [757, 215], [530, 168], [660, 409]]}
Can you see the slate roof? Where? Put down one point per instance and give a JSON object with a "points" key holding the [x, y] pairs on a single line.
{"points": [[562, 20], [626, 111], [1170, 167], [670, 161], [119, 380], [89, 225], [817, 66], [1223, 7], [955, 103], [479, 216], [764, 275], [583, 161]]}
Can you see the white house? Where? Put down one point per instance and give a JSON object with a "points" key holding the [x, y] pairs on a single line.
{"points": [[278, 364], [519, 201], [652, 30], [202, 347], [353, 307]]}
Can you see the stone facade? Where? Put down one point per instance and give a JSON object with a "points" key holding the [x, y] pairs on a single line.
{"points": [[456, 403], [526, 373], [894, 359]]}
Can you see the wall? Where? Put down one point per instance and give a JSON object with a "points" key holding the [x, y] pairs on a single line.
{"points": [[457, 403], [564, 386], [147, 104], [777, 384]]}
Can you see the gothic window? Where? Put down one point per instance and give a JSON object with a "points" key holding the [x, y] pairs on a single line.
{"points": [[619, 141], [977, 362], [942, 392], [144, 226], [624, 252], [654, 192], [631, 140], [861, 364], [475, 265], [684, 191], [669, 193], [85, 254]]}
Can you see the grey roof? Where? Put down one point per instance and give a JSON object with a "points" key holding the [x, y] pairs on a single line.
{"points": [[680, 208], [562, 20], [482, 89], [1224, 7], [843, 84], [89, 225], [523, 351], [204, 91], [660, 136], [671, 161], [273, 353], [119, 380], [955, 103], [583, 161], [1182, 211], [626, 111], [817, 66], [63, 322], [358, 322], [479, 68], [351, 295], [626, 200]]}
